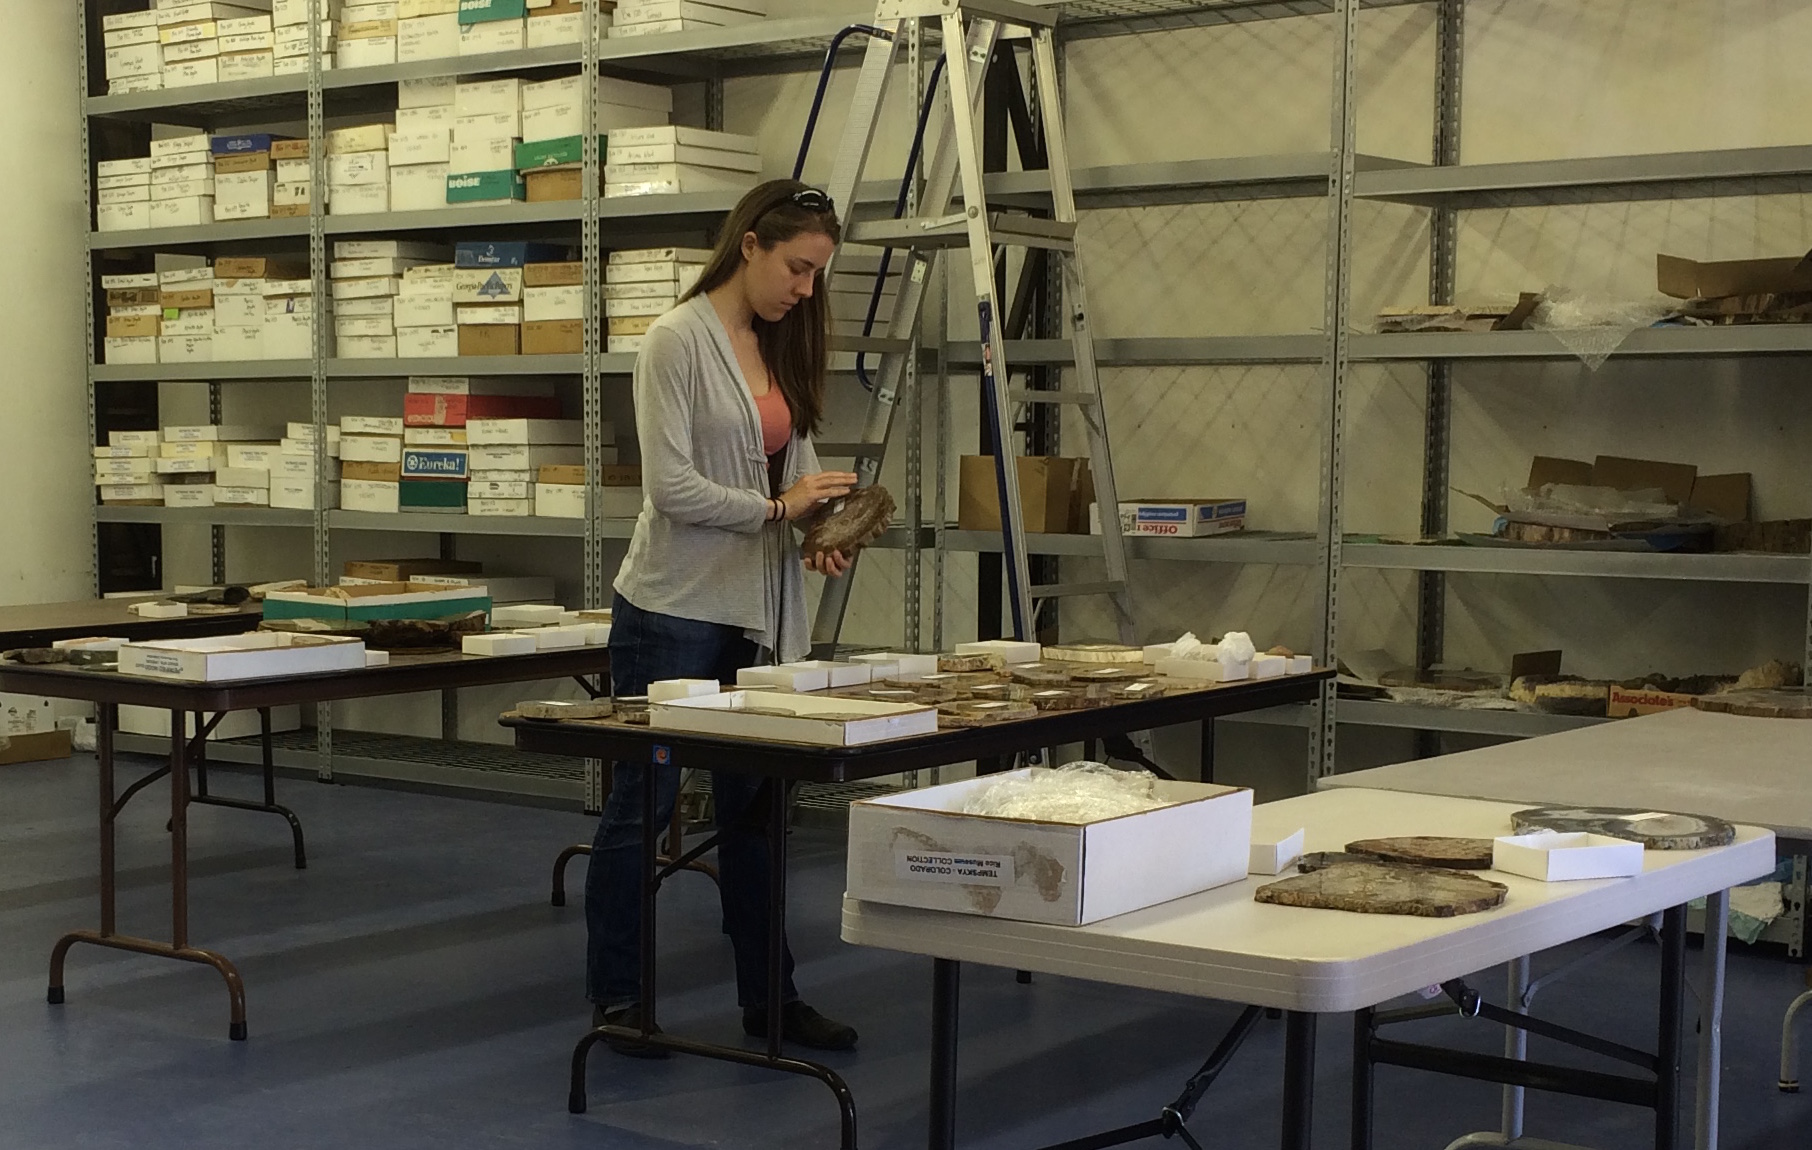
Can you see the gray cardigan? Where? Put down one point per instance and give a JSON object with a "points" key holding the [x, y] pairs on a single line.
{"points": [[703, 548]]}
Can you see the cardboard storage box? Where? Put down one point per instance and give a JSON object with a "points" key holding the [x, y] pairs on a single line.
{"points": [[919, 849], [374, 601], [1561, 857], [1624, 701], [1054, 492], [490, 339], [810, 719], [253, 655], [1186, 518], [403, 570]]}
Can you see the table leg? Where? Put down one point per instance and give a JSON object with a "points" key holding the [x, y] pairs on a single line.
{"points": [[1667, 1046], [1516, 1046], [1789, 1083], [1299, 1079], [178, 947], [1711, 1020], [946, 987], [1362, 1080], [650, 888], [1207, 750], [776, 911], [201, 797]]}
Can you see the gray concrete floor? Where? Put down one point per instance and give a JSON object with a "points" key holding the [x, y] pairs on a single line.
{"points": [[414, 989]]}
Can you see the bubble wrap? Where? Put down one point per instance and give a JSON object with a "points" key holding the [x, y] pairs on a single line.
{"points": [[1075, 793]]}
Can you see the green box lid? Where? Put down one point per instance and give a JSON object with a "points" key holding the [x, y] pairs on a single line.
{"points": [[567, 151], [431, 494], [474, 187], [481, 11]]}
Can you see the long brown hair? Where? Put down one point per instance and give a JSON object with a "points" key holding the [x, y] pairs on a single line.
{"points": [[795, 348]]}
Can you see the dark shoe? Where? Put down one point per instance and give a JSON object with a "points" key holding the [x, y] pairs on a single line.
{"points": [[630, 1018], [801, 1024]]}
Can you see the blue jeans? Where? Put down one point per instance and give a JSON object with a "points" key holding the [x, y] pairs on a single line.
{"points": [[647, 647]]}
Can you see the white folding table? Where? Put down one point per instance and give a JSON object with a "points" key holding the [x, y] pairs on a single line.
{"points": [[1732, 767], [1221, 944]]}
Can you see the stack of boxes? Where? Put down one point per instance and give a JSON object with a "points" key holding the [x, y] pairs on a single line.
{"points": [[553, 118], [289, 308], [553, 308], [289, 194], [125, 471], [358, 169], [643, 284], [243, 171], [371, 463], [553, 22], [239, 304], [122, 194], [367, 277], [187, 332], [487, 26], [293, 476], [560, 488], [423, 312], [487, 125], [289, 19], [665, 160], [487, 293], [426, 30], [182, 180], [420, 147], [135, 313], [505, 455], [245, 478], [653, 17], [438, 414], [247, 48], [133, 57], [365, 35], [188, 37]]}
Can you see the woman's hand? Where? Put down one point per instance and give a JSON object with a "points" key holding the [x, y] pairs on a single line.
{"points": [[828, 563], [812, 491]]}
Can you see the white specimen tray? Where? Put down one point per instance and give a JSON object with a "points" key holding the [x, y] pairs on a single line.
{"points": [[253, 655], [807, 718]]}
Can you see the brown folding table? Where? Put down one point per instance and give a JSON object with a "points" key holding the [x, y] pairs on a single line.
{"points": [[41, 624], [108, 689], [781, 764]]}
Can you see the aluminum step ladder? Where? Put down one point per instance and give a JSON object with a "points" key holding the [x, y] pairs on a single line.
{"points": [[969, 33]]}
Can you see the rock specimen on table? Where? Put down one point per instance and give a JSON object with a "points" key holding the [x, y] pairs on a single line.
{"points": [[960, 664], [1785, 703], [560, 709], [1322, 860], [1427, 850], [981, 713], [1112, 653], [855, 521], [1062, 699], [1656, 830], [1043, 674], [1386, 888]]}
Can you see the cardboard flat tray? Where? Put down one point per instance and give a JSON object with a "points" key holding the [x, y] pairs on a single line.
{"points": [[254, 655]]}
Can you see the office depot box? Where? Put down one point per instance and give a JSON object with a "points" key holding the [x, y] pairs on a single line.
{"points": [[553, 337], [806, 718], [253, 655], [1186, 518], [1562, 857], [919, 849]]}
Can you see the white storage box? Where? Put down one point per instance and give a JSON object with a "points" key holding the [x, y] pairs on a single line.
{"points": [[254, 655], [810, 719], [1559, 857], [1203, 670], [806, 675], [667, 690], [919, 849], [498, 643], [526, 615]]}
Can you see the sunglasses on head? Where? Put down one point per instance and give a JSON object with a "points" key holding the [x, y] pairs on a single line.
{"points": [[811, 199]]}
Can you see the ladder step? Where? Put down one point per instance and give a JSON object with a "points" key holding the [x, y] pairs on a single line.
{"points": [[1028, 395], [1006, 11], [952, 231], [850, 450], [1067, 590], [872, 344]]}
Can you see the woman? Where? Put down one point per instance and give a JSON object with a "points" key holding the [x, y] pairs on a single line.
{"points": [[729, 387]]}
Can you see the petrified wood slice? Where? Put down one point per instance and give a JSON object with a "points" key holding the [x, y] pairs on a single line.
{"points": [[1386, 888], [1322, 860], [1760, 703], [973, 713], [1428, 850], [1656, 830], [959, 664], [557, 710], [1047, 674], [857, 520], [1062, 699]]}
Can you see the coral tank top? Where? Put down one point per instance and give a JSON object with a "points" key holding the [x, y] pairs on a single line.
{"points": [[776, 420]]}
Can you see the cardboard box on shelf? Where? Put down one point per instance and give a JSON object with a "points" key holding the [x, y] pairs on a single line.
{"points": [[1692, 506], [476, 285], [427, 38], [1182, 518], [537, 432], [480, 154], [422, 409], [365, 495], [423, 311], [432, 495], [543, 187], [521, 457], [553, 337], [492, 36], [359, 138], [504, 313], [485, 187], [490, 339], [367, 602], [418, 188], [1055, 493]]}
